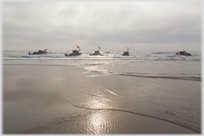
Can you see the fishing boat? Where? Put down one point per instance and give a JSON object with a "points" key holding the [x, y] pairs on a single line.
{"points": [[183, 53], [126, 53], [40, 52], [96, 52], [74, 52]]}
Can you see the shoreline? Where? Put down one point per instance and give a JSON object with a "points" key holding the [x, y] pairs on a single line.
{"points": [[31, 93]]}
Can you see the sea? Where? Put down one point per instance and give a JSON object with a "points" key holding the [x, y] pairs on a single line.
{"points": [[142, 64], [169, 86]]}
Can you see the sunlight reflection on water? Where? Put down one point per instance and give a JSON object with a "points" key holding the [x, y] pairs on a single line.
{"points": [[97, 123], [96, 104]]}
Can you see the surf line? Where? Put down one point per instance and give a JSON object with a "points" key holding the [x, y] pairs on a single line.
{"points": [[121, 110], [165, 77]]}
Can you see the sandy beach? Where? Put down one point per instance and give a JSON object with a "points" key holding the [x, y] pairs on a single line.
{"points": [[101, 67], [57, 100]]}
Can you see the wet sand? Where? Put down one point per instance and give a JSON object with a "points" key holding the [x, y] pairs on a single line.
{"points": [[33, 104]]}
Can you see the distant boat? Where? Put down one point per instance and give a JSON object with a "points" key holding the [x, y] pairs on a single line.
{"points": [[96, 52], [40, 52], [74, 52], [126, 53], [183, 53]]}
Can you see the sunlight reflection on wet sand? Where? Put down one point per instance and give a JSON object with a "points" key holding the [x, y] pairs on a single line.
{"points": [[97, 123], [31, 94]]}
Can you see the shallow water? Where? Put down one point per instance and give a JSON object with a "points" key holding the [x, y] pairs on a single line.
{"points": [[156, 85], [176, 101]]}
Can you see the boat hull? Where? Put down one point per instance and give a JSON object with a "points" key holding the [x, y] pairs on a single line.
{"points": [[36, 53], [126, 53], [186, 54], [96, 53], [183, 53], [72, 54]]}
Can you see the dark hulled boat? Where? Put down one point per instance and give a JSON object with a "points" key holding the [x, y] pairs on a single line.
{"points": [[96, 53], [183, 53], [74, 52], [40, 52], [126, 53]]}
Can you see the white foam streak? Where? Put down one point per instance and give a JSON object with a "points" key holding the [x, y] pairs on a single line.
{"points": [[113, 93]]}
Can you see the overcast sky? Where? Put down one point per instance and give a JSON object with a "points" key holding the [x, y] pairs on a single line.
{"points": [[112, 25]]}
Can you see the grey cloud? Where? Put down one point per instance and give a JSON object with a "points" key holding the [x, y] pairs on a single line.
{"points": [[57, 24]]}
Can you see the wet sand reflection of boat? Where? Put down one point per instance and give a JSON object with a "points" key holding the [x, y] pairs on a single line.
{"points": [[183, 53], [126, 53], [96, 53], [74, 52], [39, 52]]}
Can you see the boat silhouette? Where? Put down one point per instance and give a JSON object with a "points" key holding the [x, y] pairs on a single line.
{"points": [[39, 52], [183, 53], [74, 52], [96, 52]]}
